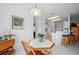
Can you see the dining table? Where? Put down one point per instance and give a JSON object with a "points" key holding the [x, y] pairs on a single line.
{"points": [[42, 45]]}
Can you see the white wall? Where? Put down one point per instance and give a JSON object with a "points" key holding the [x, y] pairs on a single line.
{"points": [[22, 10]]}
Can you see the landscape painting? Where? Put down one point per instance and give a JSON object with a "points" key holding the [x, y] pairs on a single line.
{"points": [[17, 22]]}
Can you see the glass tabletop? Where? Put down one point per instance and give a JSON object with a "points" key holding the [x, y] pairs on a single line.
{"points": [[37, 44]]}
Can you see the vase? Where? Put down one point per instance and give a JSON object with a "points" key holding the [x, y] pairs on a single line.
{"points": [[40, 39]]}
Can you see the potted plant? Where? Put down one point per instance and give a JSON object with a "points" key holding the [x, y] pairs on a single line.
{"points": [[41, 37], [9, 36], [0, 38]]}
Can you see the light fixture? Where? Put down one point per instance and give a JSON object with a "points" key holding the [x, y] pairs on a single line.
{"points": [[35, 11], [54, 17]]}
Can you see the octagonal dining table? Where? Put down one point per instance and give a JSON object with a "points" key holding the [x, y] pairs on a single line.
{"points": [[44, 45]]}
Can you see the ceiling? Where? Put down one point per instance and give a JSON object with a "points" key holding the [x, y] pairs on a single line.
{"points": [[48, 9], [60, 9]]}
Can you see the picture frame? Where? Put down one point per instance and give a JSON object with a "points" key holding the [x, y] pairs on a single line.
{"points": [[17, 22]]}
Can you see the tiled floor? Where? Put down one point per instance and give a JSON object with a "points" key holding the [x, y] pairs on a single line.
{"points": [[70, 50]]}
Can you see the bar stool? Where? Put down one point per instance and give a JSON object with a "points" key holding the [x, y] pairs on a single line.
{"points": [[72, 40], [65, 40]]}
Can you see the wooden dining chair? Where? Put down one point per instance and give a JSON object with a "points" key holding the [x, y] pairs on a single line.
{"points": [[29, 50], [48, 36], [49, 51]]}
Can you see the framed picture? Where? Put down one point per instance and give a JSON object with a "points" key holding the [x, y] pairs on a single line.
{"points": [[17, 22]]}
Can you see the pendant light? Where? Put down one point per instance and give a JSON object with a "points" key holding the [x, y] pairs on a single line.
{"points": [[35, 11]]}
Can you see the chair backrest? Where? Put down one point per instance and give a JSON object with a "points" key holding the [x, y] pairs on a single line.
{"points": [[48, 36], [27, 48]]}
